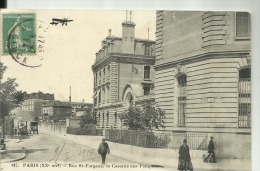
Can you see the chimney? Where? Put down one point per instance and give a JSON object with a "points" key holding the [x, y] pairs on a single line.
{"points": [[83, 100], [128, 36]]}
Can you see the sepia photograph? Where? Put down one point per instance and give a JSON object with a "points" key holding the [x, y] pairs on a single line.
{"points": [[125, 89]]}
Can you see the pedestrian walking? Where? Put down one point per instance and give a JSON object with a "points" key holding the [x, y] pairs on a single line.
{"points": [[211, 156], [184, 157], [103, 150]]}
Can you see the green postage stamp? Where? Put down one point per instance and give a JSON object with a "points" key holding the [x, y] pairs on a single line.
{"points": [[18, 33]]}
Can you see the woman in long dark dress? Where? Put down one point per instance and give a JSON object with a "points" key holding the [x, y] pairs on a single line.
{"points": [[184, 157]]}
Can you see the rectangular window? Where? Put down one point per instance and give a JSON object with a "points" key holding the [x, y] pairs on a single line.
{"points": [[95, 101], [115, 114], [107, 118], [182, 83], [243, 26], [103, 119], [146, 90], [244, 106], [108, 95], [96, 77], [147, 50], [104, 96], [99, 97], [146, 72], [181, 111]]}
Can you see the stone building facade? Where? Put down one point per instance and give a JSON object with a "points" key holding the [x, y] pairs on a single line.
{"points": [[203, 76], [123, 75], [31, 107], [56, 107]]}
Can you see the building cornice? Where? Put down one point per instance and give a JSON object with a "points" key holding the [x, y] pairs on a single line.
{"points": [[186, 59], [212, 130], [145, 98], [124, 58], [108, 106]]}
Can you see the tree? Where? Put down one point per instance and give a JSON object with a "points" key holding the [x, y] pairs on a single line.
{"points": [[60, 115], [147, 117], [88, 119], [10, 98]]}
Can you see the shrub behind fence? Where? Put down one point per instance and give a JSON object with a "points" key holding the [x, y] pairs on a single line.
{"points": [[84, 131], [148, 139]]}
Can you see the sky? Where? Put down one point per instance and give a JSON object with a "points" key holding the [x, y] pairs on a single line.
{"points": [[69, 51]]}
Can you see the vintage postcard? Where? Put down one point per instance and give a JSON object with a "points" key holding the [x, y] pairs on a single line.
{"points": [[134, 90]]}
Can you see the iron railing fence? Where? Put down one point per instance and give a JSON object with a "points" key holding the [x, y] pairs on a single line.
{"points": [[148, 139]]}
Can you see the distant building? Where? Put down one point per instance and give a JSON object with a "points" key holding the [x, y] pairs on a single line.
{"points": [[203, 76], [84, 110], [77, 120], [31, 107], [56, 107], [78, 105], [123, 75]]}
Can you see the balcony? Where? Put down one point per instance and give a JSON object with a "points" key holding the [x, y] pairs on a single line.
{"points": [[104, 80], [108, 78]]}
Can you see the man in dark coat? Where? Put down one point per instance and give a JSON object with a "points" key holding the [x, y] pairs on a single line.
{"points": [[103, 150], [184, 157], [211, 152]]}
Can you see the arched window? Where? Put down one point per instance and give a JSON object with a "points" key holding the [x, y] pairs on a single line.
{"points": [[182, 82], [129, 99], [244, 101]]}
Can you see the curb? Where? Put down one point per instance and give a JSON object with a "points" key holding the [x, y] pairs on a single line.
{"points": [[23, 156]]}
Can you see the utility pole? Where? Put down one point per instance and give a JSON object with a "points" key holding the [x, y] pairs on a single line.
{"points": [[70, 95]]}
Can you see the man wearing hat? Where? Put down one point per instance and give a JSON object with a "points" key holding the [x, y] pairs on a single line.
{"points": [[184, 157], [211, 149], [103, 150]]}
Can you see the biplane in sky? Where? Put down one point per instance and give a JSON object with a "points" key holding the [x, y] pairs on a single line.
{"points": [[56, 21]]}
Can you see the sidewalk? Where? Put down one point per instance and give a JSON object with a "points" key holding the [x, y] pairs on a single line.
{"points": [[13, 152], [167, 158]]}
